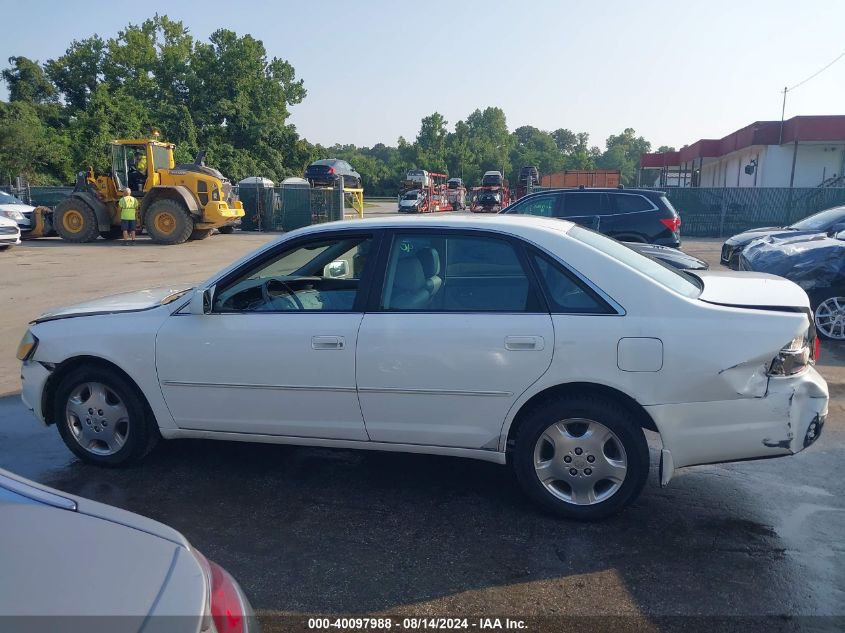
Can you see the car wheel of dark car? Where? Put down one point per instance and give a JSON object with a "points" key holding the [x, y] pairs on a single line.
{"points": [[103, 419], [830, 317], [581, 458]]}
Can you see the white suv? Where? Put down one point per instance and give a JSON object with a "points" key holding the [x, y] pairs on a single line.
{"points": [[511, 339]]}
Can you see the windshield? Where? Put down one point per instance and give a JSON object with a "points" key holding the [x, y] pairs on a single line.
{"points": [[7, 198], [410, 196], [820, 221], [671, 278]]}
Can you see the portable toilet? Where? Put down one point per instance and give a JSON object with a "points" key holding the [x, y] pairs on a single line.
{"points": [[258, 197]]}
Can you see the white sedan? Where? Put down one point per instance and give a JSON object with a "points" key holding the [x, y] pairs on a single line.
{"points": [[10, 233], [512, 339]]}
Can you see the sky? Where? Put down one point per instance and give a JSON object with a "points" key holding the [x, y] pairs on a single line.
{"points": [[674, 71]]}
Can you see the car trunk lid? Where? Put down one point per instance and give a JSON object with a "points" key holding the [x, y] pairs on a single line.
{"points": [[751, 290]]}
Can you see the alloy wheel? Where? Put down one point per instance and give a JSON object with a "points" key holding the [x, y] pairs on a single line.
{"points": [[830, 318]]}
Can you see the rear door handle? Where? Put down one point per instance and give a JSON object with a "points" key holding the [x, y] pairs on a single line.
{"points": [[327, 342], [524, 343]]}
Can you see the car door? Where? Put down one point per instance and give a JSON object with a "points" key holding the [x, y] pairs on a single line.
{"points": [[455, 334], [276, 353]]}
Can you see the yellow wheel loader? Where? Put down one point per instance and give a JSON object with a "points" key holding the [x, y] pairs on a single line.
{"points": [[177, 202]]}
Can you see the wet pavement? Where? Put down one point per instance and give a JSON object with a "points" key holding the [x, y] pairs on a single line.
{"points": [[319, 531]]}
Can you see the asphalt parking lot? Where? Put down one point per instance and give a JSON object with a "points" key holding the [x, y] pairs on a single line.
{"points": [[315, 531]]}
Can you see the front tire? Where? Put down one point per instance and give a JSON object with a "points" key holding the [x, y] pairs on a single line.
{"points": [[581, 457], [168, 222], [103, 419], [75, 221]]}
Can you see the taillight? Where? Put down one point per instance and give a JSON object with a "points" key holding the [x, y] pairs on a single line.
{"points": [[673, 224], [793, 358], [331, 170], [227, 608], [817, 348]]}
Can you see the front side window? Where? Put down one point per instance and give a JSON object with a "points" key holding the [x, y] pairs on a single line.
{"points": [[456, 273], [323, 275], [540, 205]]}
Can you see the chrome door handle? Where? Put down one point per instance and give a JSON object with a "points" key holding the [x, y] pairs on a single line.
{"points": [[327, 342], [524, 343]]}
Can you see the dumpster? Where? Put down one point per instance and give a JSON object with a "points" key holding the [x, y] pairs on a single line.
{"points": [[259, 200]]}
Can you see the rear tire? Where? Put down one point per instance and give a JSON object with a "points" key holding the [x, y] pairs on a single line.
{"points": [[200, 234], [168, 222], [592, 458], [75, 221], [103, 418], [829, 315]]}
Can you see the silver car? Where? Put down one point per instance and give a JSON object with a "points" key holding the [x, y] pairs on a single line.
{"points": [[70, 563]]}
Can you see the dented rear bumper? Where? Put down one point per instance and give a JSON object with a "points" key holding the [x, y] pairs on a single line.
{"points": [[785, 420]]}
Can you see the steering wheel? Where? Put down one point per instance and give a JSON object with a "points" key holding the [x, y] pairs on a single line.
{"points": [[270, 299]]}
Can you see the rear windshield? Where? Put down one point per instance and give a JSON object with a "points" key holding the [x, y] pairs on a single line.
{"points": [[672, 278]]}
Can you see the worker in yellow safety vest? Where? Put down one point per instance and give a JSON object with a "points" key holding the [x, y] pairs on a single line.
{"points": [[138, 174], [128, 215]]}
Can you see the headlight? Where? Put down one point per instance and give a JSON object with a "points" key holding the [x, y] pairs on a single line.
{"points": [[27, 346], [13, 215], [793, 358]]}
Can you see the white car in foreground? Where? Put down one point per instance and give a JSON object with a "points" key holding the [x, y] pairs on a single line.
{"points": [[72, 564], [10, 233], [520, 340], [15, 209]]}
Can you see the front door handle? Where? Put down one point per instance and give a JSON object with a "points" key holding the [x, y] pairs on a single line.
{"points": [[524, 343], [327, 342]]}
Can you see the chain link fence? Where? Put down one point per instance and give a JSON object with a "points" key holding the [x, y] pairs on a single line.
{"points": [[704, 211], [720, 212]]}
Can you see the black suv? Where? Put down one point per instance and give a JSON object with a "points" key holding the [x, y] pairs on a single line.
{"points": [[630, 215]]}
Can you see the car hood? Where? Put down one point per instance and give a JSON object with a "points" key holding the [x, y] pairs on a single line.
{"points": [[23, 208], [750, 289], [815, 262], [741, 239], [124, 302]]}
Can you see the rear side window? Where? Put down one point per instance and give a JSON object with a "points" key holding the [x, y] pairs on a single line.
{"points": [[565, 293], [456, 273], [671, 278], [583, 203], [630, 203]]}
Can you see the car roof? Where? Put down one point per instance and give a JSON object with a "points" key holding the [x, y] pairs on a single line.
{"points": [[643, 192], [514, 224]]}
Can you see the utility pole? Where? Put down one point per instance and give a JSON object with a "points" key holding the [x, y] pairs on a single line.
{"points": [[782, 114]]}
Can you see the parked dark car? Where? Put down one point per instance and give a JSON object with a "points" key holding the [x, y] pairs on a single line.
{"points": [[816, 263], [671, 256], [829, 221], [629, 215], [324, 173], [492, 179]]}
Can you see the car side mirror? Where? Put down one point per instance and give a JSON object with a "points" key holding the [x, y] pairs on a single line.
{"points": [[337, 269], [201, 301]]}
